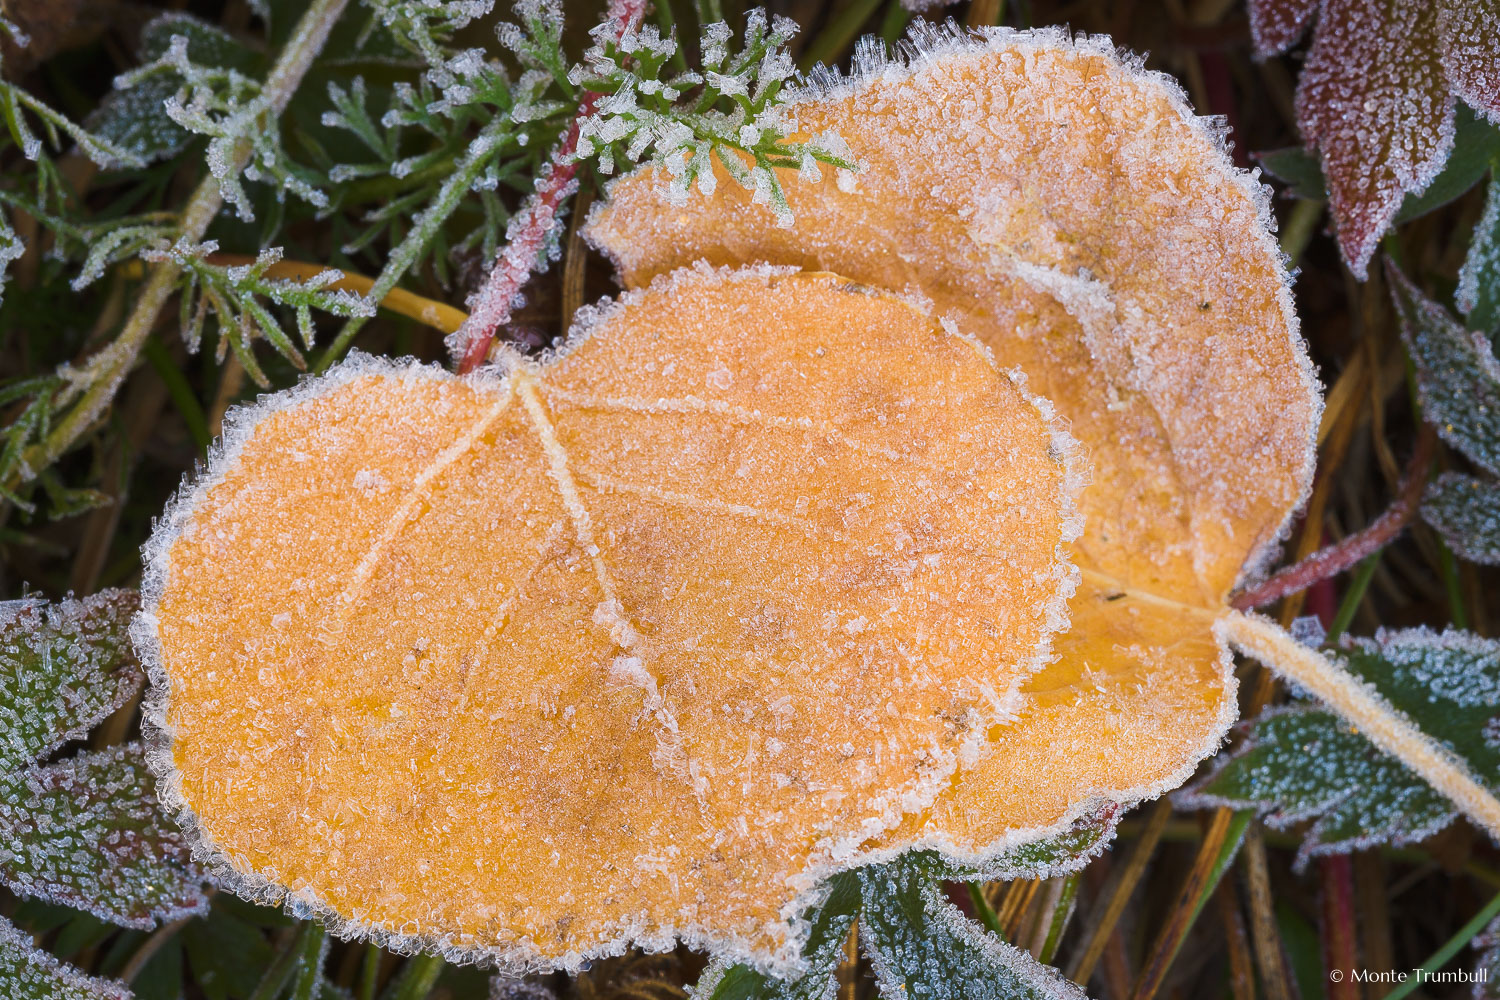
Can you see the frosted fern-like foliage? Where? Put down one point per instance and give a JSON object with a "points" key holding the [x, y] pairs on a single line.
{"points": [[729, 112], [228, 106], [11, 249], [28, 973], [1478, 294], [89, 833], [1302, 763], [1466, 509], [63, 668], [921, 945], [134, 115], [1458, 378]]}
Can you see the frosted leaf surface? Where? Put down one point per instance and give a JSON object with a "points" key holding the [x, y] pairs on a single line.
{"points": [[1376, 97], [63, 668], [29, 973], [1466, 510], [1302, 763], [633, 645], [1066, 207], [1478, 294], [1488, 962], [1277, 24], [921, 945], [89, 833], [1458, 379]]}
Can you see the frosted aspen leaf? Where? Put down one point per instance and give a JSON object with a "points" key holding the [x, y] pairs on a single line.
{"points": [[1064, 205], [633, 644]]}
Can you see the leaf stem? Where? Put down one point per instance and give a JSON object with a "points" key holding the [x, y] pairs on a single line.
{"points": [[1334, 559], [109, 367], [1359, 583], [525, 242], [1451, 947], [1364, 708], [417, 979], [983, 910]]}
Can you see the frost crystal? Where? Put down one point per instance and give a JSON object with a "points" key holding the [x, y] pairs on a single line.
{"points": [[89, 833], [29, 973], [63, 668], [1466, 510], [1458, 378], [1478, 294], [1302, 763]]}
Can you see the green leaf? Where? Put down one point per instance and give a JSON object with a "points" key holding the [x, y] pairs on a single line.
{"points": [[1478, 294], [88, 832], [830, 920], [1466, 510], [922, 946], [1299, 762], [1057, 854], [28, 973], [1475, 143], [63, 668], [226, 953], [1458, 379], [133, 118]]}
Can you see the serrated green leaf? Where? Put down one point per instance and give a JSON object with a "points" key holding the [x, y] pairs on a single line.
{"points": [[1458, 378], [922, 946], [89, 832], [63, 668], [28, 973], [1478, 295], [1300, 763], [1466, 510]]}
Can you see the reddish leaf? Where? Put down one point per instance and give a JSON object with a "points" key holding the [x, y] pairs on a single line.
{"points": [[1277, 24], [1374, 100], [1376, 96]]}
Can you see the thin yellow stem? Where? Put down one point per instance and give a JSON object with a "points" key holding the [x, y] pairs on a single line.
{"points": [[1359, 704]]}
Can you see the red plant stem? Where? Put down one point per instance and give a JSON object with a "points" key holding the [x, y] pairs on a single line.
{"points": [[1336, 558], [491, 308], [1340, 947]]}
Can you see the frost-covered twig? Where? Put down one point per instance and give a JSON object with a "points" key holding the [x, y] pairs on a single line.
{"points": [[1334, 559], [528, 231], [1360, 705], [107, 369]]}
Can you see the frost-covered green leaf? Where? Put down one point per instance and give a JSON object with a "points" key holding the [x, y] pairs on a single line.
{"points": [[63, 668], [1300, 763], [830, 922], [1458, 378], [1478, 294], [901, 902], [922, 946], [134, 116], [1466, 509], [28, 973], [89, 833]]}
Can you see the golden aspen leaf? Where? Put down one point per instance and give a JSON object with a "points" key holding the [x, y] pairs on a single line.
{"points": [[1064, 206], [633, 644]]}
